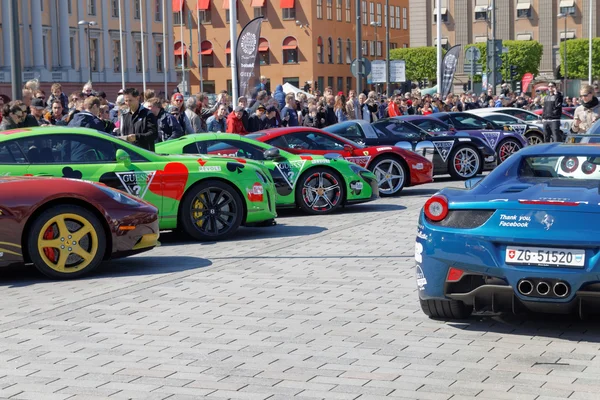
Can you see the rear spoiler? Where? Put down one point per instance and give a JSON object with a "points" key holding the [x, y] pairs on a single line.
{"points": [[578, 137]]}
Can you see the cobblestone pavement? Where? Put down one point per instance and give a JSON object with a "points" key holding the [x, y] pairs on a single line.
{"points": [[316, 307]]}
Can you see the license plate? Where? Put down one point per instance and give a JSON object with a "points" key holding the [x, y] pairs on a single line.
{"points": [[545, 256]]}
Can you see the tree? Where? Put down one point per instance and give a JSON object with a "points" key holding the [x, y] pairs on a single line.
{"points": [[577, 58], [525, 55], [420, 62]]}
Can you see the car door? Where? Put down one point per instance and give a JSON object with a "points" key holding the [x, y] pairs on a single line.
{"points": [[13, 161]]}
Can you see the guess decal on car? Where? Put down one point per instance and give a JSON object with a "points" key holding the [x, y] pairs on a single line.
{"points": [[136, 183], [360, 160], [491, 138], [290, 169], [444, 148], [519, 128]]}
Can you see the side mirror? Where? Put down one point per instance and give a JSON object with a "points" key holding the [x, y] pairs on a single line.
{"points": [[471, 183], [348, 148], [272, 154], [123, 157]]}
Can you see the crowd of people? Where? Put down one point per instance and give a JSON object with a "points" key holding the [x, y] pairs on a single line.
{"points": [[145, 119]]}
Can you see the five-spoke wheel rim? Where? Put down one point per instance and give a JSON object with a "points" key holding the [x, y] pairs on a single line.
{"points": [[532, 140], [390, 176], [466, 162], [507, 149], [214, 211], [321, 191], [68, 243]]}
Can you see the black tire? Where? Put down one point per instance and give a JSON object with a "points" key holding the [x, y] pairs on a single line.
{"points": [[507, 143], [47, 228], [320, 200], [457, 174], [397, 163], [228, 213], [445, 309], [534, 138]]}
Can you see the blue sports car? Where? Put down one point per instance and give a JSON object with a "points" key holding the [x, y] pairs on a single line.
{"points": [[526, 237]]}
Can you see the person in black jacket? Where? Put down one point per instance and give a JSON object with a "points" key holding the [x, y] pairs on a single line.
{"points": [[12, 114], [88, 118], [139, 124], [552, 114], [330, 118], [166, 120], [259, 121]]}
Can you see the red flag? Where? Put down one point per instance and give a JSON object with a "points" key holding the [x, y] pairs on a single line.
{"points": [[527, 79]]}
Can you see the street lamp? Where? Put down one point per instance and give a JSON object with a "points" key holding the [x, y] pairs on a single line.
{"points": [[559, 16], [88, 24], [375, 25]]}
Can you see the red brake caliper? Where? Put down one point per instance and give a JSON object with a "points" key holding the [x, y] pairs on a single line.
{"points": [[457, 162], [49, 251]]}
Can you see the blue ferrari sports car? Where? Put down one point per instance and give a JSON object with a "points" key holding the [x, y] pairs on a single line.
{"points": [[525, 237]]}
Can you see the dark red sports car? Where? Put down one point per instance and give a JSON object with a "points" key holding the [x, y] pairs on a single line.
{"points": [[67, 227], [394, 167]]}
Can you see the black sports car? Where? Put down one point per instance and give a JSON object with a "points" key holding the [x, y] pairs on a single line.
{"points": [[461, 156]]}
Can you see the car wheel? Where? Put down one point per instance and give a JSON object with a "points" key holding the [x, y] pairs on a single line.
{"points": [[66, 242], [534, 138], [506, 148], [391, 175], [211, 210], [320, 191], [464, 163], [445, 309]]}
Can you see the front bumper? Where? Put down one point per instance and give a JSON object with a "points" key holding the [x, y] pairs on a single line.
{"points": [[134, 234]]}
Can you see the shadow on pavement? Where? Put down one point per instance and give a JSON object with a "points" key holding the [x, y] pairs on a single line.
{"points": [[26, 275], [418, 192], [359, 208]]}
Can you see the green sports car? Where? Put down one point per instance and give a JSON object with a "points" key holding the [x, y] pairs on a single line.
{"points": [[208, 197], [316, 184]]}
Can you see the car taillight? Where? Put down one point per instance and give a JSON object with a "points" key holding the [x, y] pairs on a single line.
{"points": [[436, 208], [569, 164], [454, 274], [588, 168]]}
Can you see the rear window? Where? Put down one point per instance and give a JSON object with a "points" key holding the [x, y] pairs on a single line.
{"points": [[561, 167]]}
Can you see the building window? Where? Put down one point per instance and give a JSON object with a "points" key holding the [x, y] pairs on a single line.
{"points": [[524, 13], [444, 17], [348, 51], [568, 10], [138, 56], [94, 55], [371, 12], [348, 10], [364, 12], [177, 18], [379, 13], [91, 7], [340, 84], [365, 48], [158, 10], [290, 56], [209, 60], [329, 10], [330, 82], [320, 59], [42, 9], [348, 84], [289, 13], [330, 51], [338, 9], [260, 12], [398, 18], [372, 47], [404, 18], [116, 50], [136, 9], [159, 57], [292, 81], [72, 46], [69, 8], [379, 47], [227, 17], [264, 58], [482, 15], [320, 84], [319, 9], [114, 8], [209, 86], [340, 50], [392, 24], [205, 18]]}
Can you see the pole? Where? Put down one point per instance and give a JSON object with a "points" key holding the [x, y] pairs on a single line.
{"points": [[233, 41], [183, 82], [121, 45], [165, 52], [590, 35], [89, 53], [142, 42], [472, 75], [439, 45], [200, 54], [15, 50], [191, 48], [358, 48], [493, 48], [565, 77], [387, 49]]}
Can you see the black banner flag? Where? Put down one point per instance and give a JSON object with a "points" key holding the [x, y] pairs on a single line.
{"points": [[448, 69], [248, 67]]}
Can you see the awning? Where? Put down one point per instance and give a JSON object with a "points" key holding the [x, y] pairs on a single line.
{"points": [[206, 48], [444, 11], [569, 35], [228, 47], [178, 50], [481, 39], [524, 36], [177, 6], [257, 3], [567, 3], [444, 41], [290, 43], [286, 3], [524, 5], [203, 5], [480, 9], [263, 45], [226, 4]]}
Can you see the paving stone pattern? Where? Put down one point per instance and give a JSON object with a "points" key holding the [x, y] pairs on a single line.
{"points": [[314, 308]]}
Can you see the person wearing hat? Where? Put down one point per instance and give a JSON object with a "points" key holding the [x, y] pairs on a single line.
{"points": [[168, 126], [259, 121], [37, 111], [235, 123], [552, 114]]}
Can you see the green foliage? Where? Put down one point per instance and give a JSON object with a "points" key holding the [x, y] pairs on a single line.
{"points": [[577, 58], [525, 55], [421, 62]]}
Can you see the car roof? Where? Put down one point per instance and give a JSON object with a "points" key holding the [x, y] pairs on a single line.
{"points": [[51, 130]]}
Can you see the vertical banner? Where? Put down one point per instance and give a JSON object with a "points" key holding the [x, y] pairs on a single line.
{"points": [[248, 67], [527, 79], [449, 69]]}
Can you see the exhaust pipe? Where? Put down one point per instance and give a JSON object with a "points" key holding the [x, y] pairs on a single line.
{"points": [[560, 289], [525, 287], [543, 288]]}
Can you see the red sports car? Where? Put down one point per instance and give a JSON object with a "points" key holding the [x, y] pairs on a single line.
{"points": [[394, 167], [67, 227]]}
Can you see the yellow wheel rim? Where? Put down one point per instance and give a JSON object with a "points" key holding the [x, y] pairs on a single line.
{"points": [[68, 243], [198, 210]]}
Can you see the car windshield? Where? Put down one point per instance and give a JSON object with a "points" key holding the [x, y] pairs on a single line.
{"points": [[562, 167], [254, 135]]}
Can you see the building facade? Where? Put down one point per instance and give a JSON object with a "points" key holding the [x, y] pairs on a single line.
{"points": [[468, 21], [301, 40], [55, 46]]}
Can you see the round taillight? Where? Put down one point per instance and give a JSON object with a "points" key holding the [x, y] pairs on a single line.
{"points": [[569, 164], [436, 208], [588, 168]]}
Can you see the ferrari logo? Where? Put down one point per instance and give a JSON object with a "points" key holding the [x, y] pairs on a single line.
{"points": [[366, 153]]}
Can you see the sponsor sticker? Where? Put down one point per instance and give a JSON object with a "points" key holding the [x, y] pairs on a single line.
{"points": [[136, 182], [362, 161], [491, 138], [444, 148], [383, 148], [290, 170], [209, 168], [519, 128], [256, 193], [321, 161], [421, 281], [418, 252], [422, 235], [418, 166], [514, 221]]}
